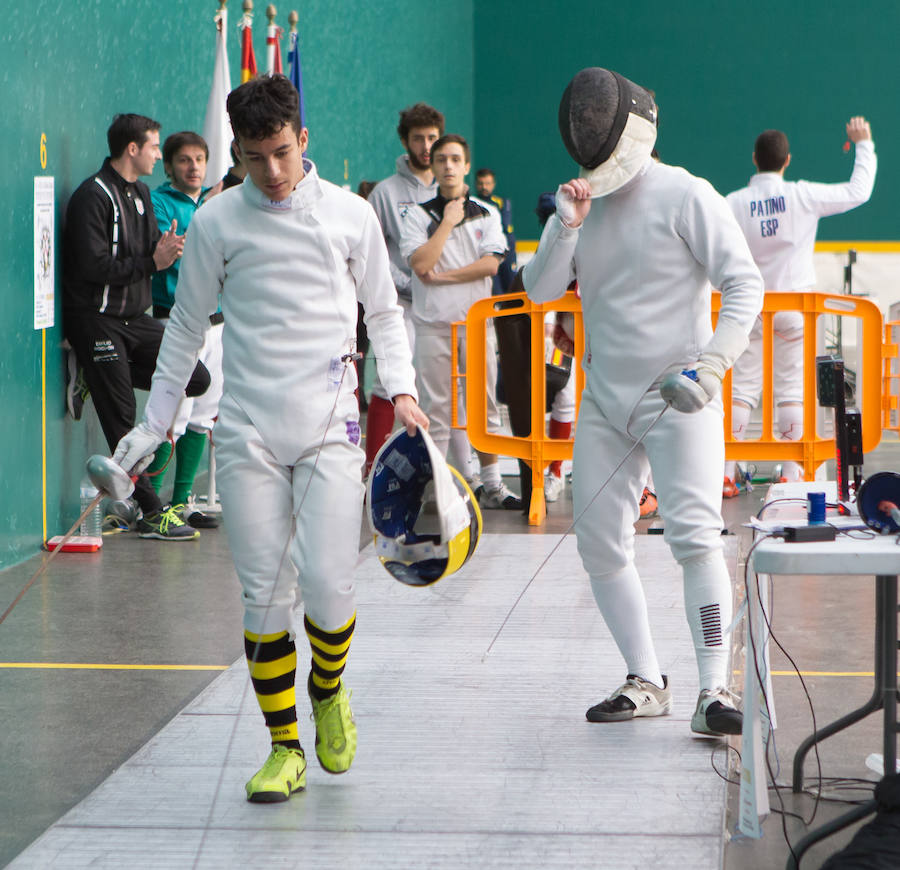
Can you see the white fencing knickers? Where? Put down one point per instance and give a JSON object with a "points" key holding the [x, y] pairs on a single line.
{"points": [[787, 361], [685, 453], [259, 497], [432, 363], [563, 408]]}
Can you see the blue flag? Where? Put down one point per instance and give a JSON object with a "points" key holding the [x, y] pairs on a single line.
{"points": [[296, 75]]}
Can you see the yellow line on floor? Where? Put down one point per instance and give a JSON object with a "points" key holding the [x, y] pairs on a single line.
{"points": [[822, 673], [88, 666]]}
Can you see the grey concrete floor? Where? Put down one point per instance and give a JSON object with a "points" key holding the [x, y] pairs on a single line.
{"points": [[825, 625], [169, 615]]}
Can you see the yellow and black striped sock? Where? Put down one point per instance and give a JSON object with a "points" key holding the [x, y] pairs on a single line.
{"points": [[329, 656], [272, 659]]}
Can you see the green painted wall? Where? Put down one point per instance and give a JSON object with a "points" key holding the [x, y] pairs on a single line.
{"points": [[496, 68], [67, 68], [722, 74]]}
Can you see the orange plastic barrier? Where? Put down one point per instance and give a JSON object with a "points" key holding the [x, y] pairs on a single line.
{"points": [[538, 450], [890, 396]]}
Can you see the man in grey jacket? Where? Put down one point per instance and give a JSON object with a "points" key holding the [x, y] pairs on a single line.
{"points": [[420, 127]]}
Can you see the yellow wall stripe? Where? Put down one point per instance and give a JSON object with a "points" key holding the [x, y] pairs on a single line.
{"points": [[822, 673], [44, 434], [88, 666], [843, 247], [529, 246]]}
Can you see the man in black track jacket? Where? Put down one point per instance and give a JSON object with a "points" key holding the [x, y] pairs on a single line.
{"points": [[112, 246]]}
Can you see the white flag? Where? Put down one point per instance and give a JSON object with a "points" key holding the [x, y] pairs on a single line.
{"points": [[216, 129]]}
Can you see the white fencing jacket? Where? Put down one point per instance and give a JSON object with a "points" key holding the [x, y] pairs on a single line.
{"points": [[644, 259], [289, 275], [392, 200], [780, 218]]}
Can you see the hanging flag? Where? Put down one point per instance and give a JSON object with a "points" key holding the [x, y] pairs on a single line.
{"points": [[273, 49], [295, 74], [216, 129], [248, 58]]}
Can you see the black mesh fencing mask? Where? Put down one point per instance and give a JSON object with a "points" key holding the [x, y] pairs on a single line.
{"points": [[608, 126]]}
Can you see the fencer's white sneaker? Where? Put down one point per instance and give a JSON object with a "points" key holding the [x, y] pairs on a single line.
{"points": [[476, 486], [500, 499], [716, 713], [635, 697], [553, 487]]}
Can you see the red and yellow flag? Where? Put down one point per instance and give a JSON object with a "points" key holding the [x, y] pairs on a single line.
{"points": [[248, 58]]}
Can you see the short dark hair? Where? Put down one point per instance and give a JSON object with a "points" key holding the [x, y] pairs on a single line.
{"points": [[264, 106], [546, 206], [365, 188], [771, 151], [128, 128], [177, 141], [419, 115], [446, 140], [484, 171]]}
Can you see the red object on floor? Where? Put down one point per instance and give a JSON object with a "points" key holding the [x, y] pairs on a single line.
{"points": [[76, 544], [563, 431]]}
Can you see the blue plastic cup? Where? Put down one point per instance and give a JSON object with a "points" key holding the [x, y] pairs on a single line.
{"points": [[815, 511]]}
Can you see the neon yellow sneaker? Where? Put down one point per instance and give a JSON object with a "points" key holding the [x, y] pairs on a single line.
{"points": [[335, 731], [283, 773]]}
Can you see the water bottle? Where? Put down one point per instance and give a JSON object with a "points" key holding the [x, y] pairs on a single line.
{"points": [[91, 524]]}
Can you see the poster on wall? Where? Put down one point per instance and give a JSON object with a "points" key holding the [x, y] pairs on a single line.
{"points": [[43, 252]]}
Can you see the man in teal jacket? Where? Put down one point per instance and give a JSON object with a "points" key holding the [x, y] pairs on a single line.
{"points": [[184, 158]]}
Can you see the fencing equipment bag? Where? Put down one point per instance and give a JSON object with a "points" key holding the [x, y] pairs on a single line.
{"points": [[425, 519], [608, 125]]}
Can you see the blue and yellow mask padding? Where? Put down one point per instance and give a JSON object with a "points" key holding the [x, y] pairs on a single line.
{"points": [[425, 519]]}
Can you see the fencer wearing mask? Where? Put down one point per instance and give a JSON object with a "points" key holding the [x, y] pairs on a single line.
{"points": [[647, 242]]}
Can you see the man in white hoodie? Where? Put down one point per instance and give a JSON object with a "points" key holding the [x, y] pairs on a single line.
{"points": [[646, 241], [290, 256], [779, 219], [420, 127]]}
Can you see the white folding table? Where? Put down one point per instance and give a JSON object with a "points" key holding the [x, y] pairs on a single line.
{"points": [[851, 553]]}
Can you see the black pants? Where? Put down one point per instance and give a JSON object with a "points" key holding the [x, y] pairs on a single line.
{"points": [[117, 356]]}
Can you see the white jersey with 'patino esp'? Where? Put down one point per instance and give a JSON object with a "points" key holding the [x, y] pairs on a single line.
{"points": [[780, 218]]}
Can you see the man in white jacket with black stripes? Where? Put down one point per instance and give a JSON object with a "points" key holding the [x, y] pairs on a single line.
{"points": [[454, 244], [290, 256]]}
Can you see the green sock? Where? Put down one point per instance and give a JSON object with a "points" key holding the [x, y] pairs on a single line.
{"points": [[188, 453], [163, 452]]}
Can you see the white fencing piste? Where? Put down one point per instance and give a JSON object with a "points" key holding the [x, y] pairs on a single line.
{"points": [[462, 763]]}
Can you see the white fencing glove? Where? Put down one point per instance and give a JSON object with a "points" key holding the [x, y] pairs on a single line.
{"points": [[135, 449], [565, 207], [691, 389]]}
